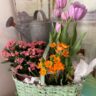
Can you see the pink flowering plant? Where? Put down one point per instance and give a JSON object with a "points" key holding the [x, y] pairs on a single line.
{"points": [[24, 56]]}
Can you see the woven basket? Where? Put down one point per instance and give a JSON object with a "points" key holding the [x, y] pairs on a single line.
{"points": [[24, 89]]}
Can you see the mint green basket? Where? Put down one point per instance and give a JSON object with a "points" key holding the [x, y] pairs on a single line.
{"points": [[24, 89]]}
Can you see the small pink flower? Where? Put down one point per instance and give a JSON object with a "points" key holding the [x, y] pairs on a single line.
{"points": [[39, 51], [29, 62], [31, 56], [33, 52], [58, 27], [30, 45], [5, 54], [29, 69], [10, 44], [22, 44], [16, 53], [41, 43], [25, 53], [32, 66], [19, 60], [12, 54], [65, 15], [19, 67]]}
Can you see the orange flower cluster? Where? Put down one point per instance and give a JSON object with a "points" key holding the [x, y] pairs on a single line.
{"points": [[51, 66], [61, 47], [57, 64]]}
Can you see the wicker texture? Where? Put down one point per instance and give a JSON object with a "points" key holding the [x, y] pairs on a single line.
{"points": [[24, 89]]}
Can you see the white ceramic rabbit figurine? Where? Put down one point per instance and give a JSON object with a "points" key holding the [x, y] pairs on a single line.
{"points": [[83, 69]]}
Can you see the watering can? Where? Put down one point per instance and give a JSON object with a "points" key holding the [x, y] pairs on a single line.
{"points": [[30, 28], [40, 29]]}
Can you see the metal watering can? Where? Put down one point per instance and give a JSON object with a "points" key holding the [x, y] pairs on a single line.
{"points": [[30, 28], [40, 29]]}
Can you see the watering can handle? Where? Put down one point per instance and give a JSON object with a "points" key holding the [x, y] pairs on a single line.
{"points": [[42, 14]]}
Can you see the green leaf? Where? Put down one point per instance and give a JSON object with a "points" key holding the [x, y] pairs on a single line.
{"points": [[74, 36], [58, 36], [77, 45], [53, 35], [48, 47], [5, 62], [64, 34]]}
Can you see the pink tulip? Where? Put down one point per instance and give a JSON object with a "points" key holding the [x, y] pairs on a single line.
{"points": [[58, 27], [77, 11], [65, 15], [57, 12], [61, 3]]}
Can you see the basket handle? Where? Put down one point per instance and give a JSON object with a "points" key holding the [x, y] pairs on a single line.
{"points": [[42, 14], [42, 78]]}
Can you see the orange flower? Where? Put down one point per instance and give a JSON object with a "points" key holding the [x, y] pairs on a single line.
{"points": [[52, 70], [65, 46], [65, 53], [53, 45], [42, 72], [57, 59], [60, 66], [56, 67], [40, 65], [52, 56], [48, 64], [61, 47]]}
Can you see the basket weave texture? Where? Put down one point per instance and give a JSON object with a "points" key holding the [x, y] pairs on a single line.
{"points": [[24, 89]]}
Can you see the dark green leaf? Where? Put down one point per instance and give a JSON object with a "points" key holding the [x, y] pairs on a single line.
{"points": [[74, 36], [77, 45]]}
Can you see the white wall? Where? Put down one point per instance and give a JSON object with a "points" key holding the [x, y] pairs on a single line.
{"points": [[6, 83]]}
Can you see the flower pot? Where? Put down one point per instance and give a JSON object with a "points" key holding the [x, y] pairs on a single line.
{"points": [[24, 89]]}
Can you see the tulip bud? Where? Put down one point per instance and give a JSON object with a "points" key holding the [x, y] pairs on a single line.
{"points": [[61, 3], [65, 15], [58, 27], [77, 11]]}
